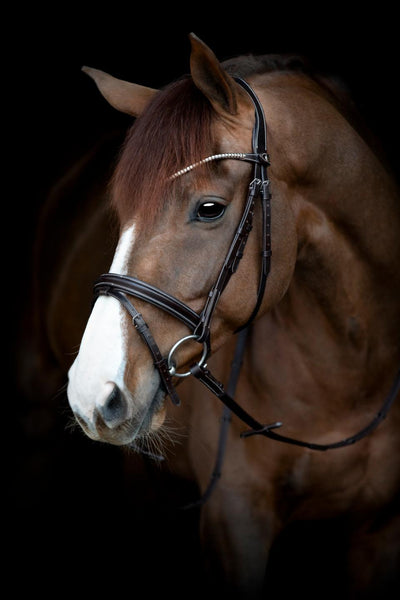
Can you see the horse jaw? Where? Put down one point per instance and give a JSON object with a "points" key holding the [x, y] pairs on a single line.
{"points": [[100, 367]]}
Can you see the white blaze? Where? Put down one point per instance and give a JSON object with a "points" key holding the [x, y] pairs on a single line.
{"points": [[101, 358]]}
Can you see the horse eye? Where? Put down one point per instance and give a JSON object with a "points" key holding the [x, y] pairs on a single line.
{"points": [[210, 211]]}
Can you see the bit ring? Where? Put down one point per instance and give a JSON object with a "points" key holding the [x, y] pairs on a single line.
{"points": [[171, 365]]}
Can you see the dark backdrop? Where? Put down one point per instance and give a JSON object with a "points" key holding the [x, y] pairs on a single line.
{"points": [[73, 515]]}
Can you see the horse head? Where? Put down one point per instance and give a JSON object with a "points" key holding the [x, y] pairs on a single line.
{"points": [[176, 224]]}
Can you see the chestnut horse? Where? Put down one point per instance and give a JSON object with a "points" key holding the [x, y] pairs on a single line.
{"points": [[323, 350]]}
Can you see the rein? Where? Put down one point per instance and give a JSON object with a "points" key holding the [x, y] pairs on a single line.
{"points": [[119, 286]]}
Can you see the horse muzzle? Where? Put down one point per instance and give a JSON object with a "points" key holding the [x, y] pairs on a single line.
{"points": [[116, 418]]}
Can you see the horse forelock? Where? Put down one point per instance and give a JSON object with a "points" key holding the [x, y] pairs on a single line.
{"points": [[174, 130]]}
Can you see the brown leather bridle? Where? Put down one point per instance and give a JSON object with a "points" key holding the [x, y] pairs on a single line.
{"points": [[122, 286]]}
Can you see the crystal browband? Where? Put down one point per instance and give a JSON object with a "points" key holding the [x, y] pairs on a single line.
{"points": [[262, 158]]}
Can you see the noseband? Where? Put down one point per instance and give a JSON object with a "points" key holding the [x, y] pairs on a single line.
{"points": [[120, 286]]}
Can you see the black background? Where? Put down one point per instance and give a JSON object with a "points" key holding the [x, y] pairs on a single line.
{"points": [[73, 522]]}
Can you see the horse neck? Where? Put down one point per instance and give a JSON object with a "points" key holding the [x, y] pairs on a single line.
{"points": [[342, 308], [348, 256]]}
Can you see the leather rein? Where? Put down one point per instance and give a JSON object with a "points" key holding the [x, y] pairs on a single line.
{"points": [[121, 286]]}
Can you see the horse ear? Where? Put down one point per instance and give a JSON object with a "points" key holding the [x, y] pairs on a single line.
{"points": [[215, 83], [126, 97]]}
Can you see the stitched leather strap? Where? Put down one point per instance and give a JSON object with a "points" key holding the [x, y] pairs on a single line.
{"points": [[226, 419], [259, 187], [148, 293], [231, 262], [143, 329], [257, 428]]}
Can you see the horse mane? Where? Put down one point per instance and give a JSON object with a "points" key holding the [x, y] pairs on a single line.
{"points": [[176, 130], [332, 87], [250, 65]]}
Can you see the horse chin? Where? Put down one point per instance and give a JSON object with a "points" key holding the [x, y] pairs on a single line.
{"points": [[145, 424], [153, 417]]}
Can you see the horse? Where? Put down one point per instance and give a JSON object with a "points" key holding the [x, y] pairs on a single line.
{"points": [[257, 226]]}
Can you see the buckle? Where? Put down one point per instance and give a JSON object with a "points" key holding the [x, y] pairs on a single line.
{"points": [[264, 158]]}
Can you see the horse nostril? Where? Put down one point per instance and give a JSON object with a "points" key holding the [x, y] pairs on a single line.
{"points": [[114, 410]]}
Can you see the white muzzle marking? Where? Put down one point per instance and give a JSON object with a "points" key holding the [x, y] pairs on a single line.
{"points": [[101, 360]]}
